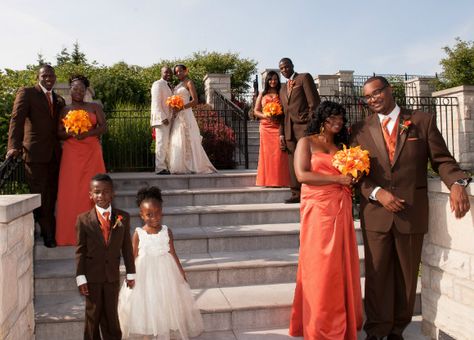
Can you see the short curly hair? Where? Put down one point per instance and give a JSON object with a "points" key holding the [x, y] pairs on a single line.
{"points": [[80, 77], [325, 110], [149, 193]]}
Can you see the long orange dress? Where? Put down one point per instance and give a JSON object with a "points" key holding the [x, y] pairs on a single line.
{"points": [[272, 169], [80, 161], [327, 302]]}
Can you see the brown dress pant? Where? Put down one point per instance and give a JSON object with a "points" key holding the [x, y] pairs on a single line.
{"points": [[42, 178], [392, 261], [101, 312]]}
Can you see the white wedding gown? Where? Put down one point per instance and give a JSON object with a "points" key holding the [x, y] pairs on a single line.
{"points": [[185, 152], [161, 304]]}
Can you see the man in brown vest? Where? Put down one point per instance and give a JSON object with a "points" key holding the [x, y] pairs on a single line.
{"points": [[33, 133], [299, 99], [394, 203]]}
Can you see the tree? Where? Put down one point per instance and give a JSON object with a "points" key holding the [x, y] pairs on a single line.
{"points": [[78, 57], [63, 57], [458, 66]]}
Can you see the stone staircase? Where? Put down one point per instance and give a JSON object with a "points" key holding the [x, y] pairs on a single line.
{"points": [[254, 142], [237, 243]]}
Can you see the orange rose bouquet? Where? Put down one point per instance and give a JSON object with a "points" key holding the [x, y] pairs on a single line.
{"points": [[352, 161], [272, 109], [175, 102], [77, 122]]}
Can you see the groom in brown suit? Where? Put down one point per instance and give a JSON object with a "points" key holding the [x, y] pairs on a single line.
{"points": [[394, 203], [103, 234], [299, 98], [33, 133]]}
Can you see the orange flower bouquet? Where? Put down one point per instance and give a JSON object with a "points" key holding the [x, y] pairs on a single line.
{"points": [[175, 102], [353, 161], [272, 109], [77, 122]]}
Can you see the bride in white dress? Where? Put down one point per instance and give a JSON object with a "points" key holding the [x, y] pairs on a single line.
{"points": [[185, 152]]}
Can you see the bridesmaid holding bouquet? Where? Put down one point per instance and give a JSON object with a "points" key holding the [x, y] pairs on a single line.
{"points": [[272, 170]]}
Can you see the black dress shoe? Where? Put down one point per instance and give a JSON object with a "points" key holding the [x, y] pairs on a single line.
{"points": [[163, 172], [50, 243], [293, 199], [392, 336]]}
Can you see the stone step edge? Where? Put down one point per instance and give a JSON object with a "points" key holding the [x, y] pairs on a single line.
{"points": [[225, 300], [146, 175], [194, 191], [222, 209], [271, 258]]}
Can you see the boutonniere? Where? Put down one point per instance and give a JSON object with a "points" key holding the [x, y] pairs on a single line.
{"points": [[404, 126], [118, 222]]}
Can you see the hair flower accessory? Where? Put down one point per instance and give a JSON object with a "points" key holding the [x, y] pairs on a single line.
{"points": [[118, 222], [404, 125]]}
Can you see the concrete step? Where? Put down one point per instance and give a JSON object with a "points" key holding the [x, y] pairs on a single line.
{"points": [[208, 196], [221, 179], [208, 239], [223, 309], [216, 269], [230, 214]]}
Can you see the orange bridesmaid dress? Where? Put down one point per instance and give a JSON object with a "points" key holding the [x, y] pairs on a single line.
{"points": [[80, 161], [327, 302], [272, 169]]}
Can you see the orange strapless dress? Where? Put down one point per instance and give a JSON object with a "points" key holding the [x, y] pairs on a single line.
{"points": [[80, 161], [327, 302], [272, 169]]}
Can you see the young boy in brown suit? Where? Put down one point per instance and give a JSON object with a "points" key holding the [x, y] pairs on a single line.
{"points": [[103, 234]]}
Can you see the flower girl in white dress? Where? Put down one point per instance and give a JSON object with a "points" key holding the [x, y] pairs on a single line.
{"points": [[161, 305]]}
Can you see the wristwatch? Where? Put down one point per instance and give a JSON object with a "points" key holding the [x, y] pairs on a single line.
{"points": [[463, 182]]}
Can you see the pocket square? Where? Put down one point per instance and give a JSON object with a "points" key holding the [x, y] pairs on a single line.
{"points": [[412, 139]]}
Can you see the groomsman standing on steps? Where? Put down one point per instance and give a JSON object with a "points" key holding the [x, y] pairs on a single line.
{"points": [[33, 133], [299, 99], [160, 118], [394, 203]]}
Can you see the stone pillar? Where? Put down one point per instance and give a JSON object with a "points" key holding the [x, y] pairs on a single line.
{"points": [[462, 125], [264, 75], [216, 82], [419, 87], [346, 82], [328, 85], [447, 272], [17, 319]]}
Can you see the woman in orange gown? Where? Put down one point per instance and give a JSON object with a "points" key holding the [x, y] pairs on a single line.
{"points": [[272, 169], [327, 302], [80, 161]]}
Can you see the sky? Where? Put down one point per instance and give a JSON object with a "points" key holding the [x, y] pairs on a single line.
{"points": [[321, 37]]}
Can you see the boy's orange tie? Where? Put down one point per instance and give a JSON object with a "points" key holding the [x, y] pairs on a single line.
{"points": [[105, 225]]}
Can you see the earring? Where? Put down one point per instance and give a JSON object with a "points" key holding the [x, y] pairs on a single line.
{"points": [[321, 129]]}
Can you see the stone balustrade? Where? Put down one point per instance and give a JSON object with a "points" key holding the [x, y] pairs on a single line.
{"points": [[17, 320], [447, 271]]}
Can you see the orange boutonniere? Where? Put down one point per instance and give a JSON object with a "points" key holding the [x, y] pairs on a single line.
{"points": [[404, 126], [118, 222]]}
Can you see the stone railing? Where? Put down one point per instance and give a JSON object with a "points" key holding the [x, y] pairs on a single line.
{"points": [[447, 271], [17, 321]]}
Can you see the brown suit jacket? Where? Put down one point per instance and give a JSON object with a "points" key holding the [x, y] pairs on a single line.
{"points": [[298, 105], [94, 259], [407, 176], [32, 127]]}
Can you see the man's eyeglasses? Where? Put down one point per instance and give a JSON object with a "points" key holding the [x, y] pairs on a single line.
{"points": [[375, 94]]}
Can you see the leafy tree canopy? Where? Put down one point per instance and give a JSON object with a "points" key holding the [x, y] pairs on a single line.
{"points": [[458, 65]]}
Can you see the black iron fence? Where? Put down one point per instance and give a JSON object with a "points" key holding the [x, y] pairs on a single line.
{"points": [[128, 145]]}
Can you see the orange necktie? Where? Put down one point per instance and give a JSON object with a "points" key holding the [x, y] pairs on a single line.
{"points": [[289, 85], [50, 102], [104, 225], [390, 139]]}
